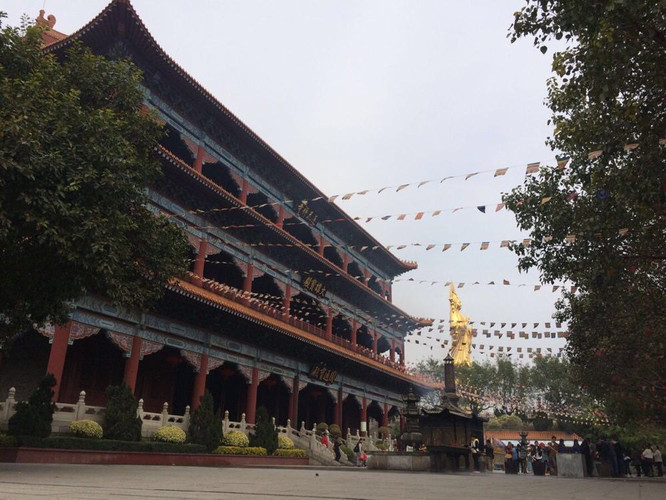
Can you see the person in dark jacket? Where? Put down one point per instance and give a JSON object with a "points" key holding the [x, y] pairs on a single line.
{"points": [[561, 447], [490, 456], [587, 453], [336, 448]]}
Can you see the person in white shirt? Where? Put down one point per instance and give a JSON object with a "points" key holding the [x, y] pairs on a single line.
{"points": [[647, 457]]}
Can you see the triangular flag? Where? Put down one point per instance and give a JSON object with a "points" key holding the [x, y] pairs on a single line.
{"points": [[500, 171], [419, 216], [423, 183], [484, 245], [436, 213], [348, 196], [594, 154], [482, 208], [430, 247], [499, 207], [546, 199], [402, 216], [504, 244], [562, 161], [463, 246], [470, 175], [446, 247], [400, 188]]}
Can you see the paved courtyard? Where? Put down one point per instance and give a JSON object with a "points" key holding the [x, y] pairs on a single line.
{"points": [[120, 481]]}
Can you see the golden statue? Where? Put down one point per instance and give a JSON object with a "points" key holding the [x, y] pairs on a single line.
{"points": [[461, 334]]}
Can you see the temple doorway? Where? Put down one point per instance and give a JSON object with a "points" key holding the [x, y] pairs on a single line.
{"points": [[273, 395], [92, 364], [229, 389], [165, 377], [351, 414], [315, 405]]}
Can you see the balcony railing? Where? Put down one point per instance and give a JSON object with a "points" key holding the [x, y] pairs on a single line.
{"points": [[268, 309]]}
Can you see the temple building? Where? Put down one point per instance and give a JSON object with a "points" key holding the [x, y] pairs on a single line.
{"points": [[281, 308]]}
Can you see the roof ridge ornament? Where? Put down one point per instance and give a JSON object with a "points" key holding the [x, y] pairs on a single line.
{"points": [[48, 22]]}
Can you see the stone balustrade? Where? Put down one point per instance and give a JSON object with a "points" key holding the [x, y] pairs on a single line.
{"points": [[307, 439]]}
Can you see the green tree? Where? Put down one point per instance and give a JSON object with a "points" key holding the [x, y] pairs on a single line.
{"points": [[599, 222], [75, 159], [120, 420], [205, 425], [265, 434], [34, 417]]}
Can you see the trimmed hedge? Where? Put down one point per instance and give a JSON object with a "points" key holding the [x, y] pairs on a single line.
{"points": [[86, 429], [74, 443], [169, 434], [235, 438], [8, 441], [285, 442], [240, 450], [290, 452]]}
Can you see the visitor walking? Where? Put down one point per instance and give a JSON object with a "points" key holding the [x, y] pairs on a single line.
{"points": [[336, 448], [522, 457], [647, 458], [474, 448], [490, 456], [358, 450], [658, 461], [587, 455], [508, 458], [552, 456]]}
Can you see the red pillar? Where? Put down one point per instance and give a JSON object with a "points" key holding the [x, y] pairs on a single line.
{"points": [[353, 332], [286, 301], [247, 283], [57, 355], [132, 364], [364, 415], [385, 420], [244, 190], [329, 324], [402, 353], [200, 260], [198, 161], [375, 341], [393, 350], [200, 382], [251, 409], [338, 409], [293, 403], [280, 220]]}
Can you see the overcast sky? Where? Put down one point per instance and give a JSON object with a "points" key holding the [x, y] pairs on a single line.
{"points": [[366, 94]]}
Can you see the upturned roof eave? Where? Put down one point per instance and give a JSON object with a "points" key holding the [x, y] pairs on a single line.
{"points": [[398, 266]]}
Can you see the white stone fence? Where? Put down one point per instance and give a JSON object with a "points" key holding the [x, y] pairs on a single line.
{"points": [[66, 413]]}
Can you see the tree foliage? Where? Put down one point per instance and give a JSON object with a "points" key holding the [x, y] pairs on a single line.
{"points": [[265, 434], [34, 417], [75, 159], [205, 426], [537, 393], [120, 420], [599, 222]]}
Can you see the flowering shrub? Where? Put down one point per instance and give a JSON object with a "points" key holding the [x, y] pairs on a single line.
{"points": [[235, 438], [86, 429], [284, 442], [293, 452], [240, 450], [169, 434]]}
